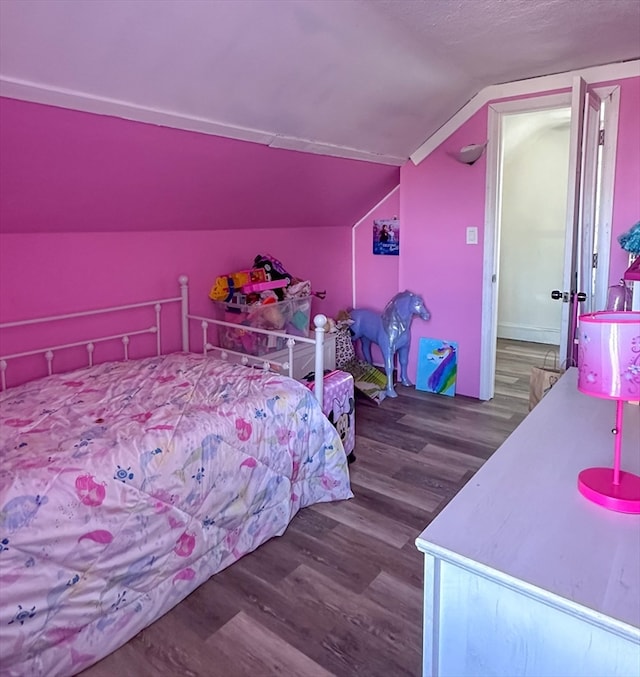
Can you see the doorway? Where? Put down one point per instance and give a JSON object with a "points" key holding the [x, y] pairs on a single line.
{"points": [[564, 254], [531, 212]]}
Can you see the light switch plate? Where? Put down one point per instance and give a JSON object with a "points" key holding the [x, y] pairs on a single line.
{"points": [[472, 235]]}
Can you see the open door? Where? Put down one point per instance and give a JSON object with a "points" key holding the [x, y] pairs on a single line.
{"points": [[590, 182], [577, 294]]}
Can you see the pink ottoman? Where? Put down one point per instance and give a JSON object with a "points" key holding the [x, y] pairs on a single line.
{"points": [[339, 407]]}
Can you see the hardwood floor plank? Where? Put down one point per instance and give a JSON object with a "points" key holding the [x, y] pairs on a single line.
{"points": [[407, 605], [469, 429], [372, 624], [380, 527], [405, 562], [332, 557], [387, 485], [272, 561], [164, 649], [412, 516], [448, 463], [250, 649]]}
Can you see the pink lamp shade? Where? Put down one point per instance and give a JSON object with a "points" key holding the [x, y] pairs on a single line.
{"points": [[609, 355], [609, 367]]}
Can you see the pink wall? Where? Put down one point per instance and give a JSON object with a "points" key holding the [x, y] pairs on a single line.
{"points": [[376, 277], [68, 171], [99, 211], [44, 274], [440, 198]]}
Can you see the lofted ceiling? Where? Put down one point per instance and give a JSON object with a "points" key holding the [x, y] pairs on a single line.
{"points": [[366, 79]]}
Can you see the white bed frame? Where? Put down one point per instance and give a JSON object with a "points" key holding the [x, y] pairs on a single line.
{"points": [[186, 317]]}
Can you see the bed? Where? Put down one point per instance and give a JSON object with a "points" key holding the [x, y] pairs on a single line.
{"points": [[125, 485]]}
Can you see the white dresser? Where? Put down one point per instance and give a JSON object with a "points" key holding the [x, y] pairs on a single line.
{"points": [[523, 575]]}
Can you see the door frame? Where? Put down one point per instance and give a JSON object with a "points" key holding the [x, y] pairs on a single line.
{"points": [[611, 96], [496, 111]]}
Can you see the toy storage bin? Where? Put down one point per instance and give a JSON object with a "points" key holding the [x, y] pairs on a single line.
{"points": [[291, 316]]}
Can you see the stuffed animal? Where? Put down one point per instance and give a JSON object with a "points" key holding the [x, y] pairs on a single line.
{"points": [[345, 352], [226, 286], [274, 270], [266, 316], [630, 241]]}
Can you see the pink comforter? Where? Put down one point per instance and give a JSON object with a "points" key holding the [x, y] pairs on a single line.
{"points": [[126, 485]]}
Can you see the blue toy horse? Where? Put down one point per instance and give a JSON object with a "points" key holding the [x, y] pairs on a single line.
{"points": [[391, 331]]}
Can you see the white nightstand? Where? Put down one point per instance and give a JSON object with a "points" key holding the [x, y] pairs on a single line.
{"points": [[304, 356]]}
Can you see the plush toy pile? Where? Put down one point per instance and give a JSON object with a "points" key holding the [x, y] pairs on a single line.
{"points": [[266, 282], [264, 296]]}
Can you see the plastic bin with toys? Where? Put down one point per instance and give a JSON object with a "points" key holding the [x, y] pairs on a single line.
{"points": [[263, 297], [291, 316]]}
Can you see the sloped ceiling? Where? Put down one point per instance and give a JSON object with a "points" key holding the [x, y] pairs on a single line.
{"points": [[367, 79], [70, 171]]}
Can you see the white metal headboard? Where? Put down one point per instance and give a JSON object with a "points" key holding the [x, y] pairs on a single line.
{"points": [[48, 352]]}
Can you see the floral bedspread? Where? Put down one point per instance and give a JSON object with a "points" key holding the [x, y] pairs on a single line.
{"points": [[126, 485]]}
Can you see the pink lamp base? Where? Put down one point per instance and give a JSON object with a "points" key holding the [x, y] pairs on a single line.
{"points": [[597, 485]]}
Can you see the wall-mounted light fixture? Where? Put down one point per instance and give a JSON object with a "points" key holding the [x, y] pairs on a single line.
{"points": [[470, 154]]}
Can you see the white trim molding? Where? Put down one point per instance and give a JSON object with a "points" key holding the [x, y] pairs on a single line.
{"points": [[546, 83], [24, 90], [521, 332], [88, 103], [611, 97], [306, 146]]}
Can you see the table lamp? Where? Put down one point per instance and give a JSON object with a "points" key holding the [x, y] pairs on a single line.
{"points": [[609, 367]]}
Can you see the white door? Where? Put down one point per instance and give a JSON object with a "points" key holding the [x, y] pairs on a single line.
{"points": [[577, 293], [532, 214], [581, 204], [588, 199]]}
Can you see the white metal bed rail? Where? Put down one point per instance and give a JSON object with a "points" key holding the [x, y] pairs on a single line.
{"points": [[320, 322], [89, 344]]}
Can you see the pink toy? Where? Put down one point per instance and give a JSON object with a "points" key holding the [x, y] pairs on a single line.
{"points": [[274, 270], [609, 367], [257, 287], [226, 286]]}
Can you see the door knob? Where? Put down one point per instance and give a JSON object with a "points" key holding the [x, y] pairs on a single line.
{"points": [[581, 296], [557, 295]]}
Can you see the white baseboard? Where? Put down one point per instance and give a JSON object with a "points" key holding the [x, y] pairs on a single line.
{"points": [[519, 332]]}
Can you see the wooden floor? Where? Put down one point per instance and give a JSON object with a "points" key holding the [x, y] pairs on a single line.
{"points": [[340, 593]]}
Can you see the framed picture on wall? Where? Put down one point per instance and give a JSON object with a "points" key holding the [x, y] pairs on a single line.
{"points": [[386, 237]]}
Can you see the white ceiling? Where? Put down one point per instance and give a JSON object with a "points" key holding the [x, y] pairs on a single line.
{"points": [[360, 78]]}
